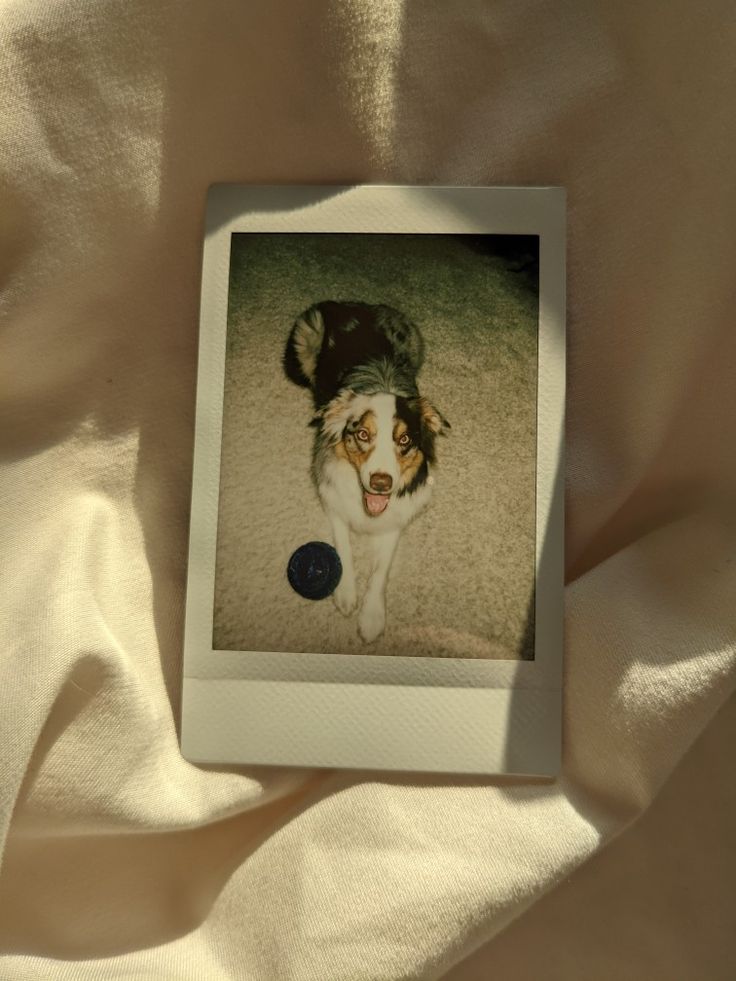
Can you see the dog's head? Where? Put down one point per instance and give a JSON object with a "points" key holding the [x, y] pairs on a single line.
{"points": [[388, 439]]}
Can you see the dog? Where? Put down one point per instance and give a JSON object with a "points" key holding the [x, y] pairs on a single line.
{"points": [[375, 434]]}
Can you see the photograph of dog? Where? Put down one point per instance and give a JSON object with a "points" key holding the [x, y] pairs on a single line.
{"points": [[375, 440], [380, 397]]}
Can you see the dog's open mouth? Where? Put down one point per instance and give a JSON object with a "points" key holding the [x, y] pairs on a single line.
{"points": [[375, 504]]}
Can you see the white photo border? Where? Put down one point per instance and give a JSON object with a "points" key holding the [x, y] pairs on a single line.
{"points": [[373, 711]]}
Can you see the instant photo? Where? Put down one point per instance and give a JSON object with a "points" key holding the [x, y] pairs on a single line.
{"points": [[376, 515]]}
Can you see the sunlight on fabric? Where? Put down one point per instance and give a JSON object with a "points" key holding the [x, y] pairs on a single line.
{"points": [[368, 71]]}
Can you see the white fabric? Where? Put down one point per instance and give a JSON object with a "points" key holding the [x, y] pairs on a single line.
{"points": [[120, 860]]}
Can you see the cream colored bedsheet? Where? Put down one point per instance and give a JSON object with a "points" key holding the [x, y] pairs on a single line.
{"points": [[119, 859]]}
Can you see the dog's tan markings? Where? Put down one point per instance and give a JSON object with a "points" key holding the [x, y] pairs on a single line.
{"points": [[410, 460], [410, 464], [431, 417], [368, 422], [356, 451], [340, 451]]}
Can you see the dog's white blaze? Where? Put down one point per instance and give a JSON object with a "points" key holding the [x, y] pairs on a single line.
{"points": [[382, 459], [343, 497]]}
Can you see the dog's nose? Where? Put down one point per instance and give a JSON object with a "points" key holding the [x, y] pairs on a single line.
{"points": [[381, 482]]}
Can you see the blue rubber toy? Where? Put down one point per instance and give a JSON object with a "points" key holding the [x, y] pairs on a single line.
{"points": [[314, 570]]}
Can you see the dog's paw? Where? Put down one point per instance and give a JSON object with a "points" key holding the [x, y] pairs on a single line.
{"points": [[372, 620], [345, 596]]}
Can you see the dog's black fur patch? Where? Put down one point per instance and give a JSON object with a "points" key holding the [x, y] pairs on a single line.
{"points": [[368, 349]]}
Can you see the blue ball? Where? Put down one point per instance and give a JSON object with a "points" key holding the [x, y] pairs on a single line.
{"points": [[314, 570]]}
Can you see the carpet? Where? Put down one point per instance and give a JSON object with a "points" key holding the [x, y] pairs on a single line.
{"points": [[463, 579]]}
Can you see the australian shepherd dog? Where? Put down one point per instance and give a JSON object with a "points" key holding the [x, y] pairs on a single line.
{"points": [[375, 440]]}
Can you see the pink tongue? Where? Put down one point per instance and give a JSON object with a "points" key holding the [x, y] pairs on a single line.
{"points": [[376, 503]]}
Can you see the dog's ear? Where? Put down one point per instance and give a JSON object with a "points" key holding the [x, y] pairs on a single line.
{"points": [[334, 417], [432, 418]]}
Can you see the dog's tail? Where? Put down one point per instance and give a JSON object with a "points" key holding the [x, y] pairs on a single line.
{"points": [[303, 347]]}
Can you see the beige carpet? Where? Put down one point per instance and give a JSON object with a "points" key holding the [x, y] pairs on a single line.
{"points": [[464, 571]]}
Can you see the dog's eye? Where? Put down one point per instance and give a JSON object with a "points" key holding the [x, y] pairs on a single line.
{"points": [[404, 439], [363, 435]]}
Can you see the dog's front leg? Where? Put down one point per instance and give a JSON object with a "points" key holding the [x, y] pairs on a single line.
{"points": [[373, 612], [346, 597]]}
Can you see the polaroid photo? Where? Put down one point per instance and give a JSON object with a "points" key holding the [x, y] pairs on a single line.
{"points": [[375, 573]]}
